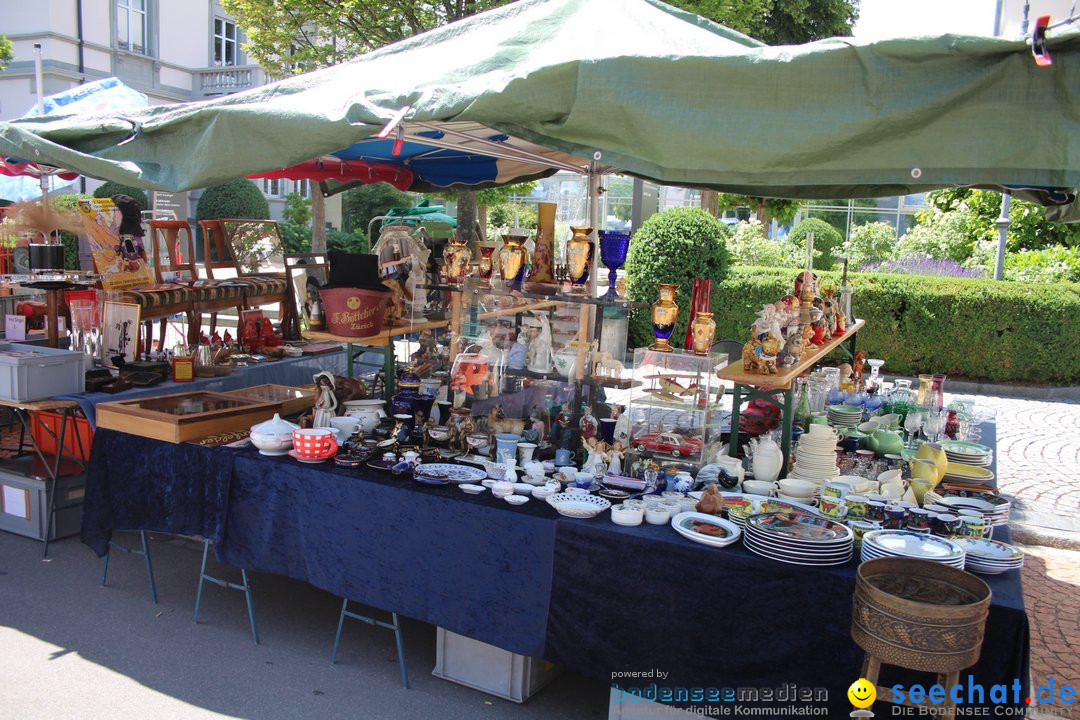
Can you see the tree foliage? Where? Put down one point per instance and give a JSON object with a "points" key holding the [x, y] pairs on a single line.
{"points": [[673, 246], [827, 242], [290, 36], [360, 204], [238, 198], [110, 188], [1030, 230], [869, 243], [7, 52]]}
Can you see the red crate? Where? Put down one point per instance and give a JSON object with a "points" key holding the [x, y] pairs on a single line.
{"points": [[43, 421]]}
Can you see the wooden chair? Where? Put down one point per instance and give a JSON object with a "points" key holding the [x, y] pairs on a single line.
{"points": [[210, 295], [259, 288]]}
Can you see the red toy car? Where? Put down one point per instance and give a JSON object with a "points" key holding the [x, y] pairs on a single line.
{"points": [[668, 442]]}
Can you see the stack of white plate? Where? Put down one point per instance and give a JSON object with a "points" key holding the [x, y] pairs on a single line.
{"points": [[844, 415], [798, 539], [990, 557], [993, 507], [909, 544], [967, 453], [706, 529], [815, 459]]}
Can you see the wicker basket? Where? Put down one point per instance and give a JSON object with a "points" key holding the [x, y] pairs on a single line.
{"points": [[919, 614]]}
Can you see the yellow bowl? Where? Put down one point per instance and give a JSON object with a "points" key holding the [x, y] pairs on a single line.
{"points": [[969, 472]]}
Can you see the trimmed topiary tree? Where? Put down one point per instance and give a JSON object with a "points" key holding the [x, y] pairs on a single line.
{"points": [[826, 239], [675, 246], [238, 198], [111, 188]]}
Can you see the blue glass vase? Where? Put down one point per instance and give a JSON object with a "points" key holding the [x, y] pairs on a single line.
{"points": [[613, 247]]}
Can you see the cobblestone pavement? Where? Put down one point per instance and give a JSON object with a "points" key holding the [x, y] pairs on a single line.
{"points": [[1052, 595], [1038, 463], [1038, 459]]}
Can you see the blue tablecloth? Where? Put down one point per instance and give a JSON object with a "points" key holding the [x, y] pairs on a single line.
{"points": [[590, 595], [287, 371]]}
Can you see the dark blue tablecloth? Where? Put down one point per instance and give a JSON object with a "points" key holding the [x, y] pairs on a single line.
{"points": [[590, 595], [472, 565], [135, 483]]}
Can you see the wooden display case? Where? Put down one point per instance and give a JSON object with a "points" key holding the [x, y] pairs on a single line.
{"points": [[184, 416], [290, 400]]}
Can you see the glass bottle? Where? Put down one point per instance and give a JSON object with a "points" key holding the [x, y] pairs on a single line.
{"points": [[802, 405]]}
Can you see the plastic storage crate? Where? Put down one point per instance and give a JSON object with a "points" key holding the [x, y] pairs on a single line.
{"points": [[42, 373], [24, 509], [490, 669]]}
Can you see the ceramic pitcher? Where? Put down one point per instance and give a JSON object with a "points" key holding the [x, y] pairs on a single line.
{"points": [[934, 453]]}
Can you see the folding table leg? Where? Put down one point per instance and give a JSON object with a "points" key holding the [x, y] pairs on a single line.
{"points": [[395, 626], [246, 587], [145, 552]]}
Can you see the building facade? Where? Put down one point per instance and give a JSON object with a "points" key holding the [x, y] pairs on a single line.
{"points": [[170, 50]]}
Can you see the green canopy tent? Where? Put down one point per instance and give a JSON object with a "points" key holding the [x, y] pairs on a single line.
{"points": [[634, 86]]}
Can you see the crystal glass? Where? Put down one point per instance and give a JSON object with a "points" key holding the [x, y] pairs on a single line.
{"points": [[902, 392], [613, 247], [934, 424], [912, 423], [873, 383]]}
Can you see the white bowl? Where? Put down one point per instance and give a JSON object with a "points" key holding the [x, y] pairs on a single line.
{"points": [[797, 488], [543, 492], [629, 516], [502, 489], [472, 489], [516, 499], [521, 488], [488, 482]]}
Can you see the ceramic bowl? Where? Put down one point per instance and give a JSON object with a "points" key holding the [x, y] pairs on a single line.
{"points": [[472, 489], [757, 487], [439, 433], [521, 488], [502, 489], [797, 488], [623, 515], [657, 515], [516, 499], [496, 471], [488, 482], [543, 492], [273, 437]]}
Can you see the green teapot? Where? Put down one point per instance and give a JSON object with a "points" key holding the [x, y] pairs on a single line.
{"points": [[885, 442]]}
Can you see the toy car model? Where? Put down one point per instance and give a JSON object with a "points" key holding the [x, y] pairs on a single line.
{"points": [[667, 442]]}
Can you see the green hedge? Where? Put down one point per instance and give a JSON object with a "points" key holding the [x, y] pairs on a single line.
{"points": [[975, 329]]}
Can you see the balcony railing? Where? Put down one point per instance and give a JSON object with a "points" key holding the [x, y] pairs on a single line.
{"points": [[225, 80]]}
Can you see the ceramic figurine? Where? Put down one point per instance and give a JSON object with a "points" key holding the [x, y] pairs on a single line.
{"points": [[539, 355], [665, 313], [519, 353], [801, 279], [560, 429], [622, 424], [857, 368], [791, 352], [498, 423], [325, 401], [588, 424], [760, 355], [768, 321], [579, 256]]}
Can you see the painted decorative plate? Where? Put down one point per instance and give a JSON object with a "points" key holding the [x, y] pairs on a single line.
{"points": [[449, 472], [808, 528]]}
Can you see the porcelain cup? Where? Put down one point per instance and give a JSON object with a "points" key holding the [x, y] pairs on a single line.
{"points": [[920, 519], [896, 516], [757, 487], [833, 507], [346, 424], [836, 489], [973, 527], [860, 528], [564, 456], [947, 524], [583, 480], [796, 487], [818, 430], [525, 452], [892, 491], [875, 510], [890, 476], [314, 443], [856, 505]]}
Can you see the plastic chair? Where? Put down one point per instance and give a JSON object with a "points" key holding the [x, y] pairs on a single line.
{"points": [[395, 626]]}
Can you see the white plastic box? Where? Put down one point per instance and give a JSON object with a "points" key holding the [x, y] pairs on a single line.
{"points": [[490, 669], [42, 373]]}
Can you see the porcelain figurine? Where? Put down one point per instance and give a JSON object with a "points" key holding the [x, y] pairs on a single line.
{"points": [[588, 424], [622, 424], [539, 355], [325, 401], [760, 355], [560, 429]]}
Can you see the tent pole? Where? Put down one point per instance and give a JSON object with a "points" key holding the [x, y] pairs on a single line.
{"points": [[1003, 222], [38, 80]]}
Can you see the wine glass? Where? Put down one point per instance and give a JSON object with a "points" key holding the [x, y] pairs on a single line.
{"points": [[912, 423], [613, 246]]}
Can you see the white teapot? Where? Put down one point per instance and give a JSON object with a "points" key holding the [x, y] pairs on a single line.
{"points": [[768, 458]]}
